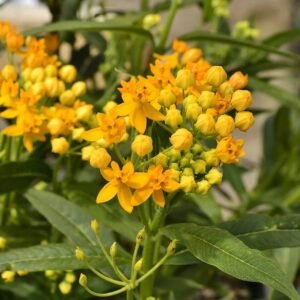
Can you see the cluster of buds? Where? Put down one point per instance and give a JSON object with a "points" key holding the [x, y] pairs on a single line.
{"points": [[192, 101], [64, 280], [9, 276], [40, 96]]}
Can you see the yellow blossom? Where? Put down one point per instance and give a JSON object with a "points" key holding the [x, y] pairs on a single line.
{"points": [[9, 73], [100, 158], [238, 80], [166, 97], [229, 151], [142, 145], [191, 55], [67, 98], [241, 100], [214, 176], [187, 183], [79, 88], [184, 78], [120, 183], [244, 120], [8, 276], [67, 73], [203, 187], [206, 99], [216, 75], [205, 124], [181, 139], [65, 287], [86, 152], [59, 145], [173, 117], [224, 125], [160, 181]]}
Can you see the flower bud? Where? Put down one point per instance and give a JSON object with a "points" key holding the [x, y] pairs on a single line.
{"points": [[50, 71], [86, 152], [161, 159], [174, 166], [184, 79], [151, 20], [142, 145], [214, 176], [109, 106], [67, 98], [65, 287], [207, 99], [39, 89], [83, 113], [59, 145], [173, 154], [95, 226], [2, 242], [187, 183], [67, 73], [211, 157], [8, 276], [100, 158], [37, 74], [77, 133], [175, 174], [197, 148], [188, 172], [113, 249], [181, 139], [52, 86], [224, 125], [26, 74], [185, 162], [83, 280], [79, 254], [171, 247], [193, 111], [70, 277], [238, 80], [203, 187], [191, 99], [51, 274], [22, 273], [138, 265], [140, 236], [244, 120], [27, 85], [205, 124], [166, 97], [225, 89], [241, 100], [55, 126], [79, 88], [216, 75], [173, 118], [9, 73], [199, 166], [61, 87], [191, 55]]}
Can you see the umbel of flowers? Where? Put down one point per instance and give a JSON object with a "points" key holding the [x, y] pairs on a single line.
{"points": [[199, 108]]}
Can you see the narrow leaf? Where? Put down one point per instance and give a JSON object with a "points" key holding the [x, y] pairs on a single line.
{"points": [[219, 248], [283, 37]]}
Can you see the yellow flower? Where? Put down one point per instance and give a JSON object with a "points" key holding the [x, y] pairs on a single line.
{"points": [[244, 120], [166, 97], [193, 111], [79, 88], [67, 98], [142, 145], [184, 79], [181, 139], [86, 152], [67, 73], [59, 145], [191, 55], [2, 242], [224, 125], [120, 183], [160, 181], [229, 151], [111, 129], [14, 41], [241, 100], [8, 276], [214, 176], [207, 99], [100, 158], [238, 80], [205, 124], [140, 102], [65, 287], [203, 187], [216, 75], [173, 117], [9, 73]]}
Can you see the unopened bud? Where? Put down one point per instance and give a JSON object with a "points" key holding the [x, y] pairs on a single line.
{"points": [[60, 145], [9, 73], [207, 99], [191, 55], [37, 74], [95, 226], [83, 280], [100, 158], [161, 159], [67, 98], [226, 89], [199, 166], [8, 276], [187, 183], [205, 124], [244, 120], [172, 247], [79, 88], [166, 97], [113, 249], [142, 145], [2, 243], [203, 187], [68, 73], [216, 75], [39, 89], [224, 125], [50, 71], [173, 118], [138, 265], [70, 277], [241, 100], [65, 287], [86, 152], [181, 139], [184, 79], [238, 80], [79, 254], [140, 236], [214, 176], [22, 272], [193, 111]]}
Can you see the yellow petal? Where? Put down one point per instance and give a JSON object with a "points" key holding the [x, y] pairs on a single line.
{"points": [[107, 192], [139, 120], [27, 142], [141, 196], [152, 113], [107, 174], [92, 135], [159, 198], [12, 130], [9, 113], [171, 186], [124, 196], [128, 168], [124, 109], [138, 180]]}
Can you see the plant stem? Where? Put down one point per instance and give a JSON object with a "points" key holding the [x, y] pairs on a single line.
{"points": [[119, 154], [124, 289], [168, 24], [144, 4]]}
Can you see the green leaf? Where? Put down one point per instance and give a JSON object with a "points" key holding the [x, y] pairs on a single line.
{"points": [[283, 37], [224, 39], [283, 96], [265, 232], [90, 26], [49, 257], [18, 175], [219, 248], [66, 216], [183, 257]]}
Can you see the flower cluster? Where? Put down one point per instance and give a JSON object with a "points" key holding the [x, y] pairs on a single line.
{"points": [[39, 96], [191, 101]]}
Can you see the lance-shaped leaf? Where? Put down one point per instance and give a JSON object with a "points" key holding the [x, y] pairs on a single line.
{"points": [[219, 248], [67, 217], [18, 175]]}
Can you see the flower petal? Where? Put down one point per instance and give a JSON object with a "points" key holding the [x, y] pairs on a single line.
{"points": [[152, 113], [92, 135], [13, 130], [124, 196], [171, 186], [107, 174], [107, 192], [9, 113], [159, 198], [128, 168], [139, 120], [124, 109], [138, 180], [27, 142], [141, 196]]}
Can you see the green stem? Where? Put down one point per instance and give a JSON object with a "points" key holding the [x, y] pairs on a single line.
{"points": [[124, 289], [168, 24], [119, 154], [56, 169]]}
